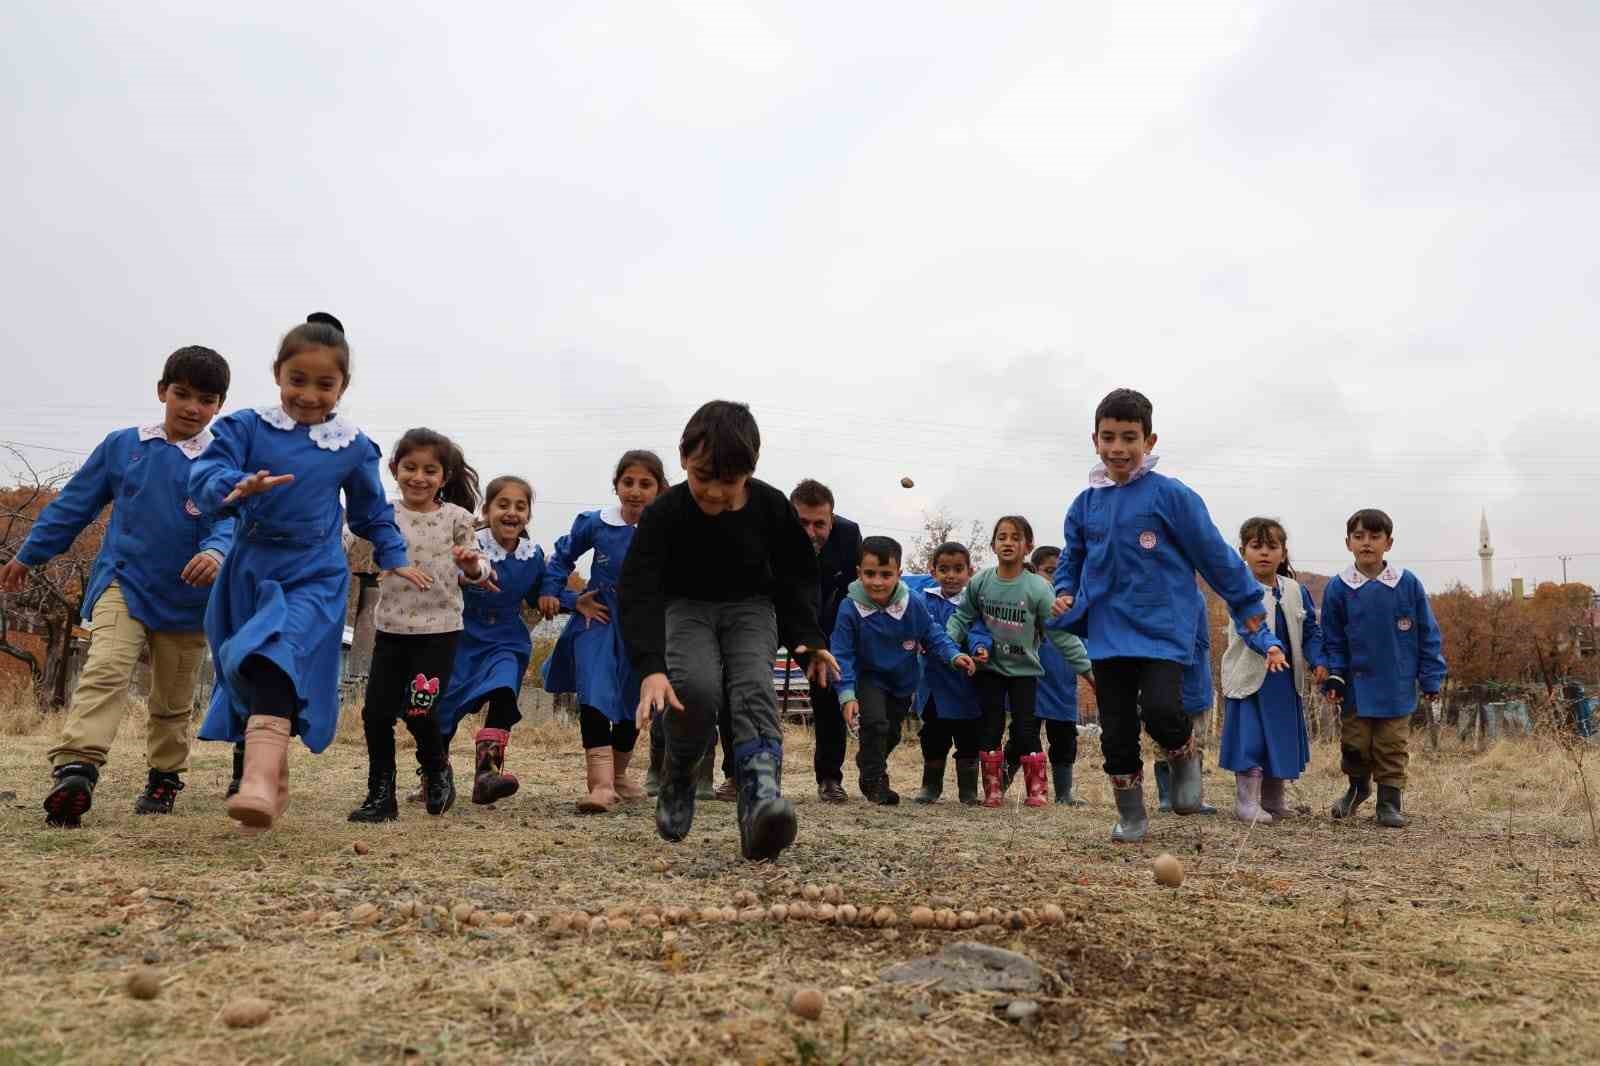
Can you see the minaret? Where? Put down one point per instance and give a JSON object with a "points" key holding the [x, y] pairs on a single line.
{"points": [[1486, 554]]}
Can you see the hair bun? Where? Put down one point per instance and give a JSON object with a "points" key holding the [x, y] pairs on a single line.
{"points": [[323, 318]]}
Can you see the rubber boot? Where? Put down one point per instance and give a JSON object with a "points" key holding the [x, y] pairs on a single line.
{"points": [[991, 764], [1354, 796], [1132, 821], [705, 772], [1163, 787], [601, 767], [1389, 808], [490, 782], [652, 774], [932, 782], [283, 801], [1063, 786], [767, 823], [72, 796], [238, 772], [380, 805], [675, 801], [1272, 800], [266, 746], [626, 790], [1247, 798], [967, 781], [1185, 763], [160, 793], [1034, 779]]}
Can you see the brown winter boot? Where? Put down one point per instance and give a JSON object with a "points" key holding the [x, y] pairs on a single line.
{"points": [[490, 782], [626, 789], [602, 781], [263, 791], [283, 801]]}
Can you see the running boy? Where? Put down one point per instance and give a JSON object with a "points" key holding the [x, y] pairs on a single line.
{"points": [[1381, 643], [1134, 541], [875, 639], [719, 572], [947, 699], [148, 587]]}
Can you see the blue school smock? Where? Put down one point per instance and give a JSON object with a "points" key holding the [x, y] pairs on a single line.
{"points": [[1198, 696], [495, 645], [1267, 729], [1131, 554], [954, 696], [1057, 697], [590, 658], [155, 526], [1380, 636], [879, 645], [283, 589]]}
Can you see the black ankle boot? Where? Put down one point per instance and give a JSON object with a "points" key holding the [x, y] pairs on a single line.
{"points": [[967, 782], [72, 795], [380, 804], [932, 782], [675, 801], [439, 789], [1389, 808], [877, 790], [238, 772], [1354, 796], [767, 823], [160, 792]]}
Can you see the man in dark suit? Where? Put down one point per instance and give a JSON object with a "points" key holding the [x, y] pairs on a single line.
{"points": [[838, 544]]}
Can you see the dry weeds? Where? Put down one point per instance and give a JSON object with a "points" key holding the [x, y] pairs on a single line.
{"points": [[1470, 937]]}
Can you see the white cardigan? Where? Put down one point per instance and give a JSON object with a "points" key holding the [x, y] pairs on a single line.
{"points": [[1243, 669]]}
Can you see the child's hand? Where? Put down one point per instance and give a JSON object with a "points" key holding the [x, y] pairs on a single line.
{"points": [[1061, 606], [469, 560], [1319, 675], [257, 483], [822, 669], [549, 606], [1276, 660], [965, 662], [852, 713], [13, 576], [592, 609], [489, 584], [414, 574], [201, 570], [655, 694], [981, 656]]}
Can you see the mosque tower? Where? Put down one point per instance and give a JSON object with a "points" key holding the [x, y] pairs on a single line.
{"points": [[1486, 554]]}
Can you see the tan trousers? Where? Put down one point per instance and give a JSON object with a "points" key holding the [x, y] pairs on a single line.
{"points": [[1376, 747], [116, 640]]}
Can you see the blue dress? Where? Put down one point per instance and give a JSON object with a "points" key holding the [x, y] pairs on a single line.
{"points": [[590, 658], [282, 591], [1268, 729], [495, 646], [954, 696]]}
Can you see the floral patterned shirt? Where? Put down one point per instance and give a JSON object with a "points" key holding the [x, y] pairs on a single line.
{"points": [[405, 609]]}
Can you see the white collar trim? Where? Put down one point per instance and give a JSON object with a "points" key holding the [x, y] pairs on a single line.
{"points": [[495, 553], [337, 432], [938, 593], [612, 516], [896, 611], [1355, 578], [1099, 479], [191, 447]]}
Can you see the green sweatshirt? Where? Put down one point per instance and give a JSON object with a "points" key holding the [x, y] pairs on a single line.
{"points": [[1015, 611]]}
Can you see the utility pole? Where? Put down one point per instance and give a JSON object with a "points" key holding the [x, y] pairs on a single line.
{"points": [[1564, 560]]}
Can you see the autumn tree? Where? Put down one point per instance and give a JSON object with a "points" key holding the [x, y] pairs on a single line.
{"points": [[939, 527]]}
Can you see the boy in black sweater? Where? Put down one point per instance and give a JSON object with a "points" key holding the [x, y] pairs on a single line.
{"points": [[720, 571]]}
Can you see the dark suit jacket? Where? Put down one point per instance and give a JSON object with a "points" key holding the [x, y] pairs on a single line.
{"points": [[836, 565]]}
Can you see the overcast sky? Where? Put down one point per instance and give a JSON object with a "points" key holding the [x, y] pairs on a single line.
{"points": [[1348, 249]]}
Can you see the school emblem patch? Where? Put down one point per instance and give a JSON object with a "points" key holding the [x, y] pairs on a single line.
{"points": [[1147, 540], [1404, 625], [190, 509], [909, 645]]}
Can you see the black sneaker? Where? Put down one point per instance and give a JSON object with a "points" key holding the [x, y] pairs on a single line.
{"points": [[72, 795], [439, 787], [160, 793], [379, 806]]}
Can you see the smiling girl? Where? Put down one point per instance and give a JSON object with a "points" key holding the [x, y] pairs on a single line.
{"points": [[591, 659], [277, 612]]}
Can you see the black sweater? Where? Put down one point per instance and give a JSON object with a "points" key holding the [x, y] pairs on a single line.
{"points": [[681, 553]]}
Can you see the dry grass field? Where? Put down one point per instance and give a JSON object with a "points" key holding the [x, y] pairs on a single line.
{"points": [[1473, 936]]}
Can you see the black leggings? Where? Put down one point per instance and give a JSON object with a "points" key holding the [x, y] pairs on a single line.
{"points": [[1063, 737], [410, 673], [995, 693], [938, 734], [601, 732], [503, 710], [271, 691]]}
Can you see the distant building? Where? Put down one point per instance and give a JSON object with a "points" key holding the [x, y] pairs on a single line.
{"points": [[1486, 553]]}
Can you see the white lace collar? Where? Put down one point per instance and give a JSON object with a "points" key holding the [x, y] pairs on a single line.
{"points": [[495, 553], [1355, 578], [331, 435], [612, 516], [190, 447], [1099, 479]]}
